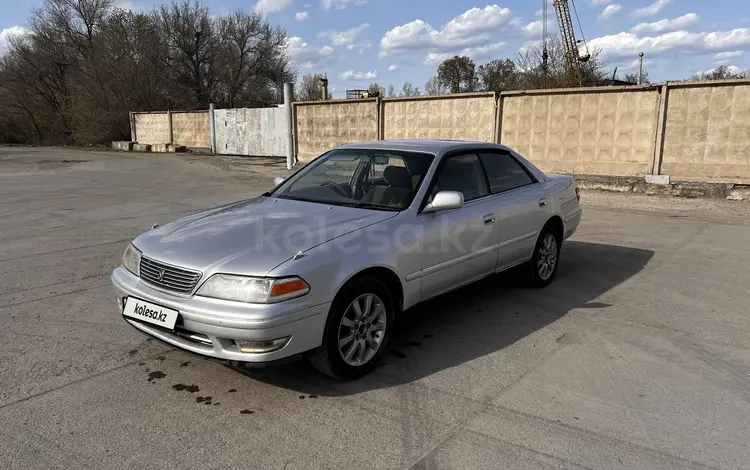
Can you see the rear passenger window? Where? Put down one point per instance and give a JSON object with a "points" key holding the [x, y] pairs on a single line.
{"points": [[504, 172]]}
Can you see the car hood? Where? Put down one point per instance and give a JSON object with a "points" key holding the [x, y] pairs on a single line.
{"points": [[252, 237]]}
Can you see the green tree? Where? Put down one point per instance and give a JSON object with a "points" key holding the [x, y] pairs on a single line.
{"points": [[458, 74], [392, 92], [498, 76], [633, 78], [375, 88]]}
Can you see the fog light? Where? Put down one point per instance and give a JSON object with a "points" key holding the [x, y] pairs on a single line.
{"points": [[261, 347]]}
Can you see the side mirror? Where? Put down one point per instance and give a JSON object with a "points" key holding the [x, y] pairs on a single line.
{"points": [[278, 180], [445, 200]]}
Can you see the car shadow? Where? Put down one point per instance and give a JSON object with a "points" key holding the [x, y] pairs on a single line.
{"points": [[476, 320]]}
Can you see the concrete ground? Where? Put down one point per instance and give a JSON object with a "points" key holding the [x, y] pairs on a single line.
{"points": [[637, 356]]}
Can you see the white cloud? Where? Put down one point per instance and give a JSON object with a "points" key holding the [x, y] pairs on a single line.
{"points": [[307, 56], [7, 33], [600, 3], [273, 6], [737, 70], [666, 25], [651, 10], [471, 28], [302, 16], [392, 68], [610, 11], [723, 58], [358, 76], [476, 52], [349, 37], [629, 44], [340, 4], [126, 5], [535, 29]]}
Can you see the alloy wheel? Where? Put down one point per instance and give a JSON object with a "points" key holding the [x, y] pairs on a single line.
{"points": [[362, 329], [547, 259]]}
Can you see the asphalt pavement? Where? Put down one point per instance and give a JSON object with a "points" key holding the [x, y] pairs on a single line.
{"points": [[637, 356]]}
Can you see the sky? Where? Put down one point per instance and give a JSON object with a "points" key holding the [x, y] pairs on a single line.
{"points": [[357, 42]]}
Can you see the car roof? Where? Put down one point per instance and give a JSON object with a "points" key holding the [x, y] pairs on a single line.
{"points": [[430, 146]]}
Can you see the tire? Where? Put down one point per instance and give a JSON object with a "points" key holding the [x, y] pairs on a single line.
{"points": [[546, 258], [369, 338]]}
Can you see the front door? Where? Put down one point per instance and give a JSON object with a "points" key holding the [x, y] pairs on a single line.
{"points": [[460, 245]]}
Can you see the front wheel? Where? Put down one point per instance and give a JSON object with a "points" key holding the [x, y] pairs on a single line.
{"points": [[544, 262], [357, 330]]}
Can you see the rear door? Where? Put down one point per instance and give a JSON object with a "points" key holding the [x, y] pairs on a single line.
{"points": [[521, 205]]}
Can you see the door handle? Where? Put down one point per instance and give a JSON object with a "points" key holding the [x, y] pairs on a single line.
{"points": [[489, 219], [543, 202]]}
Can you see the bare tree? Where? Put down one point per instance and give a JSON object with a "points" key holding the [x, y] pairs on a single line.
{"points": [[434, 87], [86, 63], [191, 39], [633, 78], [721, 72], [557, 74], [251, 61], [409, 90], [310, 88]]}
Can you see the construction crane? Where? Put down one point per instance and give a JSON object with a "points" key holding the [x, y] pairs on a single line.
{"points": [[573, 58]]}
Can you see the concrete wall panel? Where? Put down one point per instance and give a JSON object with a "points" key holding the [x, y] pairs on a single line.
{"points": [[151, 128], [254, 132], [191, 129], [708, 133], [584, 132], [322, 126], [469, 117]]}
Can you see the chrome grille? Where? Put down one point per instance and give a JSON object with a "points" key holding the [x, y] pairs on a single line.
{"points": [[169, 277]]}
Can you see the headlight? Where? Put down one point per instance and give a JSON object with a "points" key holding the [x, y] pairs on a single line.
{"points": [[254, 290], [131, 260]]}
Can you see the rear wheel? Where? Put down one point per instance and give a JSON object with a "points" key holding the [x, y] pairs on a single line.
{"points": [[357, 330], [544, 262]]}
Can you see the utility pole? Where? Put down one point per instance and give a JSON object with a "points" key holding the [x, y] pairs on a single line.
{"points": [[288, 97], [640, 70]]}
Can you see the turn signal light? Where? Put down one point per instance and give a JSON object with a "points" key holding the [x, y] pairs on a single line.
{"points": [[289, 288]]}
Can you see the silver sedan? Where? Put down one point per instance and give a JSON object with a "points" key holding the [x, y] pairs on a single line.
{"points": [[322, 264]]}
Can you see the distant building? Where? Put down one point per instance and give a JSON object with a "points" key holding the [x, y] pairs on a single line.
{"points": [[355, 94]]}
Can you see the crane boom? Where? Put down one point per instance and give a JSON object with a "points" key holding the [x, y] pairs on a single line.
{"points": [[570, 44]]}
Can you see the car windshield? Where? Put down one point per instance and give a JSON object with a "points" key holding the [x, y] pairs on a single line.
{"points": [[370, 179]]}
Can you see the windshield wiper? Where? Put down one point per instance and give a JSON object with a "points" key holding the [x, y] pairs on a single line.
{"points": [[370, 205]]}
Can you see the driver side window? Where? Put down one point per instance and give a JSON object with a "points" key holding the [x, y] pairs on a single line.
{"points": [[462, 173]]}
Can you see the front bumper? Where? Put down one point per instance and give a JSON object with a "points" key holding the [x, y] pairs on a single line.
{"points": [[208, 327]]}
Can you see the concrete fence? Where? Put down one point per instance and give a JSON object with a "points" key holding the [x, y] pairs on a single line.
{"points": [[188, 128], [321, 125], [467, 116], [690, 131], [255, 132], [602, 131]]}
